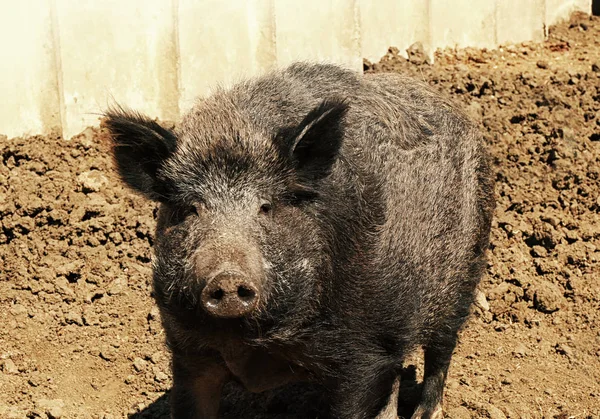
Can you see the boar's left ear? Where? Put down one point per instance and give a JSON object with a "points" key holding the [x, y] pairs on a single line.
{"points": [[140, 147], [317, 140]]}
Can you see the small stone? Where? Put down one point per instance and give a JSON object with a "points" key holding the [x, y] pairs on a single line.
{"points": [[62, 286], [73, 318], [494, 412], [155, 357], [459, 412], [520, 351], [572, 235], [475, 110], [90, 318], [52, 408], [86, 137], [500, 327], [161, 377], [481, 301], [129, 379], [35, 380], [539, 251], [9, 367], [542, 64], [107, 353], [506, 381], [563, 349], [116, 237], [462, 68], [553, 221], [154, 314], [12, 412], [72, 268], [92, 180], [596, 68], [499, 291], [18, 310], [452, 384], [139, 364], [416, 54], [118, 286]]}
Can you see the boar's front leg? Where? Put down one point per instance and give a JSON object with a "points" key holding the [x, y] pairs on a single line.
{"points": [[365, 393], [438, 353], [197, 384], [390, 411]]}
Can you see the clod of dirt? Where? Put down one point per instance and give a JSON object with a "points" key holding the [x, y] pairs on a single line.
{"points": [[416, 54], [139, 364], [92, 181], [548, 297]]}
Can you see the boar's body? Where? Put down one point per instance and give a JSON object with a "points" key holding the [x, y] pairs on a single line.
{"points": [[375, 200]]}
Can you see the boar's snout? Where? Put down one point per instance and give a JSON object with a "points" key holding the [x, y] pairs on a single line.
{"points": [[231, 268], [230, 295]]}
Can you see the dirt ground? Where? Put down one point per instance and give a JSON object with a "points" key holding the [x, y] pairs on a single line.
{"points": [[80, 337]]}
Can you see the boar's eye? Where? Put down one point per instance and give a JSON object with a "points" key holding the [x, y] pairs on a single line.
{"points": [[266, 208], [193, 210]]}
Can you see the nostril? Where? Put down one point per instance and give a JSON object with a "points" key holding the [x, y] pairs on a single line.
{"points": [[217, 294], [229, 295], [246, 294]]}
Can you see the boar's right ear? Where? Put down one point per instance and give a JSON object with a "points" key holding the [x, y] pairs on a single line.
{"points": [[316, 141], [140, 146]]}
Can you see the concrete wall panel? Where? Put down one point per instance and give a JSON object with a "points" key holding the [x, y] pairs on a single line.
{"points": [[462, 23], [326, 30], [263, 34], [115, 50], [223, 42], [65, 61], [526, 25], [393, 23], [29, 85], [557, 10]]}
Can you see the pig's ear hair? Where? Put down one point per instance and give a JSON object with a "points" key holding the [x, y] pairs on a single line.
{"points": [[139, 146], [316, 141]]}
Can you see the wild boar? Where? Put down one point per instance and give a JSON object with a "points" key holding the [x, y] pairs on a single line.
{"points": [[314, 224]]}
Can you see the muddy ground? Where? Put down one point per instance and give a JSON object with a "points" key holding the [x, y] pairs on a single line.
{"points": [[80, 337]]}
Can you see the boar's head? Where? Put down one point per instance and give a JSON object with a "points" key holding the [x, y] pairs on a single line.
{"points": [[238, 234]]}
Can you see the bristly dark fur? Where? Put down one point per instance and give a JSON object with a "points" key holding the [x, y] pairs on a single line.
{"points": [[358, 207]]}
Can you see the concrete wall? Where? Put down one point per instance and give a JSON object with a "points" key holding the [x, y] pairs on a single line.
{"points": [[63, 61]]}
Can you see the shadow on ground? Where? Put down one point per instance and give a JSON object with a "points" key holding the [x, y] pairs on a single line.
{"points": [[296, 401]]}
